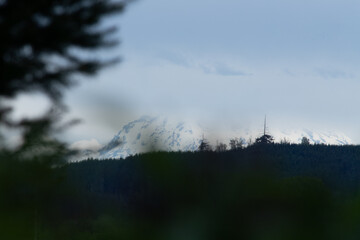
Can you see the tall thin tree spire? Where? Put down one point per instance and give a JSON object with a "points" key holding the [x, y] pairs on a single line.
{"points": [[266, 138], [265, 125]]}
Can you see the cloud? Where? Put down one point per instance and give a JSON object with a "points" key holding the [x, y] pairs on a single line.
{"points": [[208, 67], [223, 70], [334, 74], [177, 59], [91, 144]]}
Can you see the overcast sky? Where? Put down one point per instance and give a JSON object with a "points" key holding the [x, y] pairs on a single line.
{"points": [[229, 62]]}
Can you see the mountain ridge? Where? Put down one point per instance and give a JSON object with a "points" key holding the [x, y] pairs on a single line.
{"points": [[158, 133]]}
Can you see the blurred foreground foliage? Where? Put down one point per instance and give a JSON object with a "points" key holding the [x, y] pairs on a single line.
{"points": [[46, 45], [31, 175], [272, 191]]}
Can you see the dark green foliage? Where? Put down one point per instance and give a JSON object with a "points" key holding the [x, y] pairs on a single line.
{"points": [[274, 191], [44, 46], [236, 143], [305, 141], [204, 145], [265, 139], [44, 43], [337, 166], [31, 180], [220, 147]]}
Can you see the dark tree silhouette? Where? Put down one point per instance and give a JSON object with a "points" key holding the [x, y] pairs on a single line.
{"points": [[204, 145], [305, 141], [284, 141], [220, 147], [236, 143], [43, 43], [44, 46], [265, 139]]}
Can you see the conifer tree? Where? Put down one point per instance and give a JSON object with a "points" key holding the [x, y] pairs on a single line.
{"points": [[305, 141], [265, 138], [44, 46], [236, 143], [44, 43], [220, 147], [204, 145]]}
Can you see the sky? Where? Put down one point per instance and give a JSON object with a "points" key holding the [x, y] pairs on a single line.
{"points": [[226, 63]]}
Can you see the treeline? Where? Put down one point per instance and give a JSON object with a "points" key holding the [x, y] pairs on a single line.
{"points": [[270, 191], [239, 143], [337, 166], [264, 191]]}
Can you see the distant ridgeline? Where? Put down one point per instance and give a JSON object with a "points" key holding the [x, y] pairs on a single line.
{"points": [[149, 133]]}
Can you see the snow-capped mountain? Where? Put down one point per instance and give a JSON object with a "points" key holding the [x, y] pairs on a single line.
{"points": [[315, 137], [155, 133], [150, 133]]}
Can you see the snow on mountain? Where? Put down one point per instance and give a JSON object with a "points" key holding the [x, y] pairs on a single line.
{"points": [[150, 133], [315, 137], [155, 133]]}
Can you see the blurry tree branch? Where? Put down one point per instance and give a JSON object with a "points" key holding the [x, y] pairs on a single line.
{"points": [[45, 45]]}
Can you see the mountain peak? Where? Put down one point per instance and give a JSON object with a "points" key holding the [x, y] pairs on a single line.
{"points": [[149, 133], [160, 133]]}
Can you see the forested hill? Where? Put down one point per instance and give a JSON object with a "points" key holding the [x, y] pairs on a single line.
{"points": [[338, 167], [269, 191]]}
